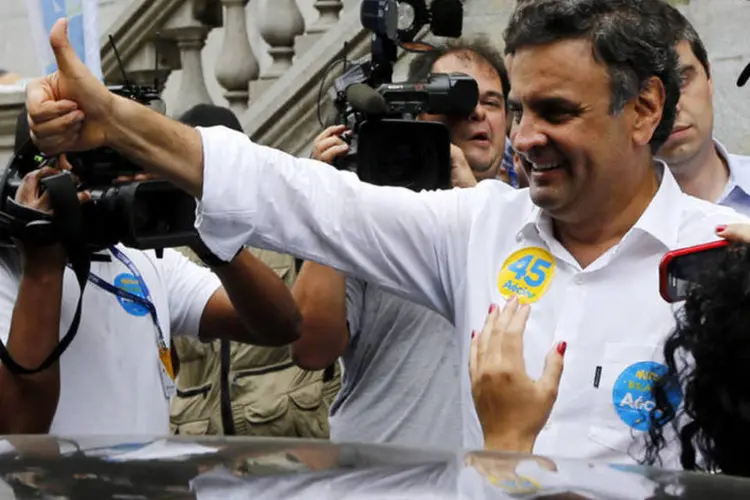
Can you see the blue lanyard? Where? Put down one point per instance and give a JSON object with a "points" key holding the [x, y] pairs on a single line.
{"points": [[143, 301]]}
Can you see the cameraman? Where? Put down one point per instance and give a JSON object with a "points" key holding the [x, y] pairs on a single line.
{"points": [[401, 379], [111, 380]]}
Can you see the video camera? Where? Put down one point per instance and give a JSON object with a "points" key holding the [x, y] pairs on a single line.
{"points": [[145, 214], [388, 145]]}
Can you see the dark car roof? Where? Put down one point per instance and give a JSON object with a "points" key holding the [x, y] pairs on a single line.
{"points": [[209, 468]]}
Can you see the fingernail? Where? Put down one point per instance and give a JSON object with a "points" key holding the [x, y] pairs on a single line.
{"points": [[721, 229], [473, 334], [561, 348], [492, 308]]}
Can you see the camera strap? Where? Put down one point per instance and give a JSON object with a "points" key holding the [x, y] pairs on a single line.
{"points": [[67, 223]]}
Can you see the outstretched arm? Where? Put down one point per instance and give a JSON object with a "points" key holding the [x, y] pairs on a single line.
{"points": [[404, 241]]}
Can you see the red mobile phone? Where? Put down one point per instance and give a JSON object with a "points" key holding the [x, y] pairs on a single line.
{"points": [[680, 269]]}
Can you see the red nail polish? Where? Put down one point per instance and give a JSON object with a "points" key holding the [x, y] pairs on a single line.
{"points": [[473, 334], [721, 229], [561, 348], [492, 308]]}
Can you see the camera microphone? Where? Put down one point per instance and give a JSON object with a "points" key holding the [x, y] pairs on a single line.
{"points": [[365, 99]]}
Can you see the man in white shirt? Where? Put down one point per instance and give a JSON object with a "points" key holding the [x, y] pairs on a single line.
{"points": [[700, 163], [594, 89]]}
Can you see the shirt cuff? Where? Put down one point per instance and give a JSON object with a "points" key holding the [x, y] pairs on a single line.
{"points": [[219, 213]]}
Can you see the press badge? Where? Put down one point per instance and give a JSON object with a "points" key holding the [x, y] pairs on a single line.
{"points": [[167, 381], [165, 367]]}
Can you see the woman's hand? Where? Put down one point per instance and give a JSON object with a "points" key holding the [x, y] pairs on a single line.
{"points": [[736, 233], [512, 407]]}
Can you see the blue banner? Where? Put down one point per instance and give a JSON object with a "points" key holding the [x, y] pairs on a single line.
{"points": [[83, 30]]}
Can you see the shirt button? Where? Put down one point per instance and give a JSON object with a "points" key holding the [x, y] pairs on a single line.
{"points": [[578, 279]]}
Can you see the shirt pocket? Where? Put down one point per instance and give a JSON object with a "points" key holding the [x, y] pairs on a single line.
{"points": [[190, 411], [623, 400], [279, 401]]}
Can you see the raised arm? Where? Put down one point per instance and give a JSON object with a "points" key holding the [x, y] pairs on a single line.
{"points": [[250, 194], [31, 294], [404, 241]]}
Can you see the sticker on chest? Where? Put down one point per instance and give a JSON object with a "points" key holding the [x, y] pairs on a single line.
{"points": [[527, 273], [632, 394], [130, 284], [520, 485]]}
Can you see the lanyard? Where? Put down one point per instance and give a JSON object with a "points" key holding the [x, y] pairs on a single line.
{"points": [[143, 301], [166, 371]]}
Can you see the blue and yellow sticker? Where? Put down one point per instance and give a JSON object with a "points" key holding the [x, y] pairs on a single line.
{"points": [[130, 284], [632, 394], [518, 485], [527, 274]]}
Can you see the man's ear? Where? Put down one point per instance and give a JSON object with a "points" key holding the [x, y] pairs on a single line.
{"points": [[648, 109]]}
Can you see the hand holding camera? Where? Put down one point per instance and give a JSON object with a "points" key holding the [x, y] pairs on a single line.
{"points": [[32, 196], [461, 174], [329, 145]]}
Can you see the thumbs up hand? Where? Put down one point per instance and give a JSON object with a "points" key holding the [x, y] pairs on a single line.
{"points": [[68, 110]]}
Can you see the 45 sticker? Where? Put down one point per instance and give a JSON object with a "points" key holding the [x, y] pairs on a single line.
{"points": [[527, 274]]}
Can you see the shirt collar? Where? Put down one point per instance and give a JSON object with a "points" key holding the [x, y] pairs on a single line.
{"points": [[739, 175], [660, 220]]}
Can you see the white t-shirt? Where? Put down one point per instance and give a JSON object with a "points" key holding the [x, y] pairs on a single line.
{"points": [[109, 375], [460, 250]]}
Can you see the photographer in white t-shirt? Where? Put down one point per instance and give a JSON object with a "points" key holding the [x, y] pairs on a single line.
{"points": [[116, 377]]}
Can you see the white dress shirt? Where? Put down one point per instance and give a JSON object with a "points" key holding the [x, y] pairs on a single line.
{"points": [[447, 250]]}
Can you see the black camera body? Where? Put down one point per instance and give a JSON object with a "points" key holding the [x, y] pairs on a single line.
{"points": [[142, 214], [388, 144]]}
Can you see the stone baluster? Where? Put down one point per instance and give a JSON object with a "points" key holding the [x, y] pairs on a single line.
{"points": [[279, 23], [236, 65], [192, 90], [329, 15]]}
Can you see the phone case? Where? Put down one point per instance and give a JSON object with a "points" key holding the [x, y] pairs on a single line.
{"points": [[670, 256]]}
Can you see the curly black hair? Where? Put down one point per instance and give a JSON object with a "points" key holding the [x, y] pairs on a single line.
{"points": [[709, 355], [628, 36]]}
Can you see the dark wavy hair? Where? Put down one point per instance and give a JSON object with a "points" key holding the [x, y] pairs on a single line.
{"points": [[709, 355], [628, 36], [683, 30]]}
